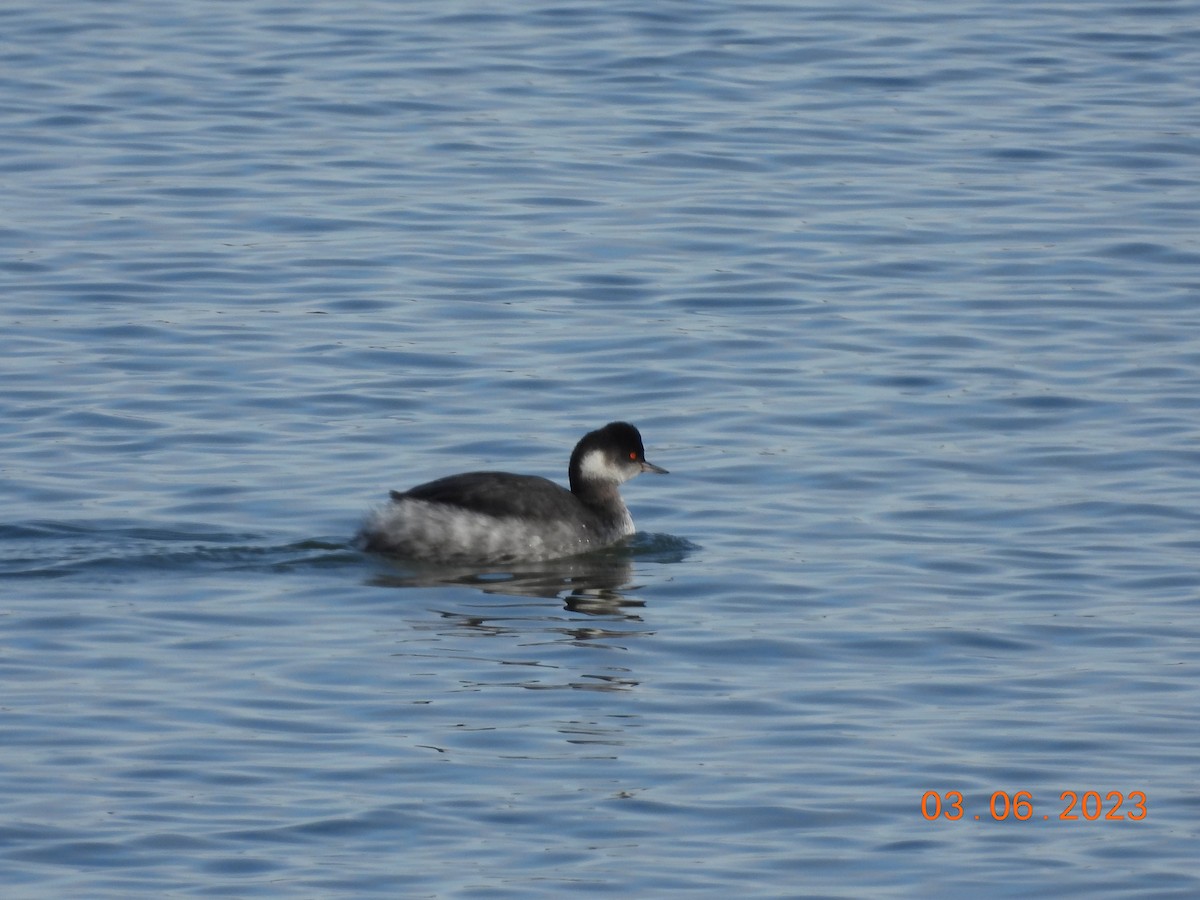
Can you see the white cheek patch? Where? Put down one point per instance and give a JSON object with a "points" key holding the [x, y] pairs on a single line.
{"points": [[596, 466]]}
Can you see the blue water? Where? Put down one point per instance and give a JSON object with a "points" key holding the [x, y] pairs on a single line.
{"points": [[906, 296]]}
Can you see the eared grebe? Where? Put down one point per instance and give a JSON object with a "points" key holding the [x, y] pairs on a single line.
{"points": [[495, 517]]}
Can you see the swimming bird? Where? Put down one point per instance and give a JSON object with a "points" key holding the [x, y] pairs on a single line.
{"points": [[498, 517]]}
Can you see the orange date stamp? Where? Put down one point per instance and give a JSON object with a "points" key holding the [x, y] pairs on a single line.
{"points": [[1074, 806]]}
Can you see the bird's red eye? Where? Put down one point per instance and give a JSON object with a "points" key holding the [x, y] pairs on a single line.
{"points": [[633, 454]]}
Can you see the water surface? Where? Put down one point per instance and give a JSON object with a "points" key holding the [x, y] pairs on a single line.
{"points": [[904, 297]]}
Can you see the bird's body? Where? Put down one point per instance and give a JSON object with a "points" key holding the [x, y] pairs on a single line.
{"points": [[498, 517]]}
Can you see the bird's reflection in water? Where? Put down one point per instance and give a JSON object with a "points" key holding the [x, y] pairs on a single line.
{"points": [[528, 614], [596, 585]]}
